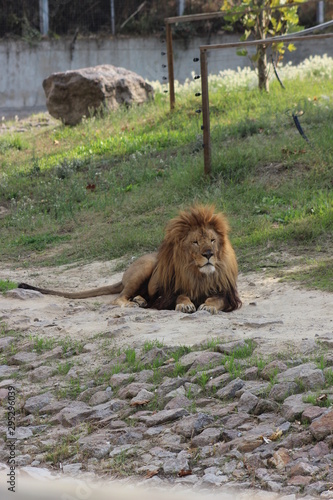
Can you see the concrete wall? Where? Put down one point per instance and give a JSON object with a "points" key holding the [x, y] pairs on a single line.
{"points": [[24, 66]]}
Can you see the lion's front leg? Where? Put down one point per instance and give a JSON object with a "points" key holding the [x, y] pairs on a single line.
{"points": [[212, 305], [184, 304], [124, 301]]}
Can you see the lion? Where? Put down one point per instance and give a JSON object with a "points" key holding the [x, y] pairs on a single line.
{"points": [[195, 268]]}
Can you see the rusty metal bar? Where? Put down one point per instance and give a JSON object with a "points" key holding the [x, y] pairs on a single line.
{"points": [[171, 76], [213, 15], [205, 112], [267, 41]]}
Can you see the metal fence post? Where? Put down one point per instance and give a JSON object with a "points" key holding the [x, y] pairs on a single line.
{"points": [[44, 16], [113, 21], [170, 65], [205, 112]]}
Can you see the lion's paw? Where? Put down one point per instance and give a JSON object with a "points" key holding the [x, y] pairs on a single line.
{"points": [[130, 303], [186, 308], [210, 309], [140, 301]]}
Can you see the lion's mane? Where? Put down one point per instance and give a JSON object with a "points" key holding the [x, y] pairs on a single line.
{"points": [[174, 272]]}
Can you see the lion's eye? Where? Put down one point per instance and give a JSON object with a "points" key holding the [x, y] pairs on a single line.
{"points": [[195, 243], [212, 241]]}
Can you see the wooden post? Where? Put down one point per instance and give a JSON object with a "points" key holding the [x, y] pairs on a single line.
{"points": [[171, 77], [205, 112]]}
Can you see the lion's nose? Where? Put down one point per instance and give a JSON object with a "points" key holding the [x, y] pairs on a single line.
{"points": [[207, 254]]}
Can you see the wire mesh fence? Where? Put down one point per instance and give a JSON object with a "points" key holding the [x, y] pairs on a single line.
{"points": [[26, 18], [23, 17]]}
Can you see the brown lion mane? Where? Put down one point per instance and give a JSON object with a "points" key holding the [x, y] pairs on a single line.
{"points": [[173, 271]]}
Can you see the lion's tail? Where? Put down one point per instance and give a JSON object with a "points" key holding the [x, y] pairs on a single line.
{"points": [[95, 292]]}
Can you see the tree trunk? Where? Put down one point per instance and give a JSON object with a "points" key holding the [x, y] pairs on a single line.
{"points": [[262, 23], [262, 68]]}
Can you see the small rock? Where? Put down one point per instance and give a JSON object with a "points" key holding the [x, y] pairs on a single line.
{"points": [[200, 359], [178, 402], [3, 394], [323, 426], [164, 416], [192, 425], [120, 449], [155, 354], [23, 433], [207, 437], [95, 445], [281, 391], [41, 373], [133, 389], [312, 413], [36, 403], [236, 420], [6, 371], [5, 342], [143, 397], [21, 358], [55, 406], [55, 353], [213, 480], [100, 397], [293, 407], [318, 488], [22, 460], [72, 469], [229, 391], [231, 347], [320, 450], [247, 402], [272, 369], [249, 444], [119, 379], [176, 464], [299, 480], [218, 382], [71, 415], [21, 294], [170, 384], [298, 440], [251, 373], [280, 459], [7, 382], [265, 406], [303, 469]]}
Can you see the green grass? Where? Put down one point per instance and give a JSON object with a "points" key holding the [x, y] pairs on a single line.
{"points": [[106, 188], [41, 344], [63, 368], [314, 273], [6, 285]]}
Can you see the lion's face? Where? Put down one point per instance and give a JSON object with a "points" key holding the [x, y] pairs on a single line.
{"points": [[201, 246]]}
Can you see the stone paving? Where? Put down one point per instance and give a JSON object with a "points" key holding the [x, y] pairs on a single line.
{"points": [[208, 416]]}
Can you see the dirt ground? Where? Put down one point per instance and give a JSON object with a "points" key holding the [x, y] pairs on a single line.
{"points": [[281, 314]]}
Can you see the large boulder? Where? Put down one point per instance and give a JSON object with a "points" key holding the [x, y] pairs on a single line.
{"points": [[77, 93]]}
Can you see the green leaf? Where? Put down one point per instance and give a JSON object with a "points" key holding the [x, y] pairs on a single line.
{"points": [[255, 57], [291, 47], [241, 52]]}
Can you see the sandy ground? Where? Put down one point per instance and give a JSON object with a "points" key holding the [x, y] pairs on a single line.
{"points": [[280, 314]]}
